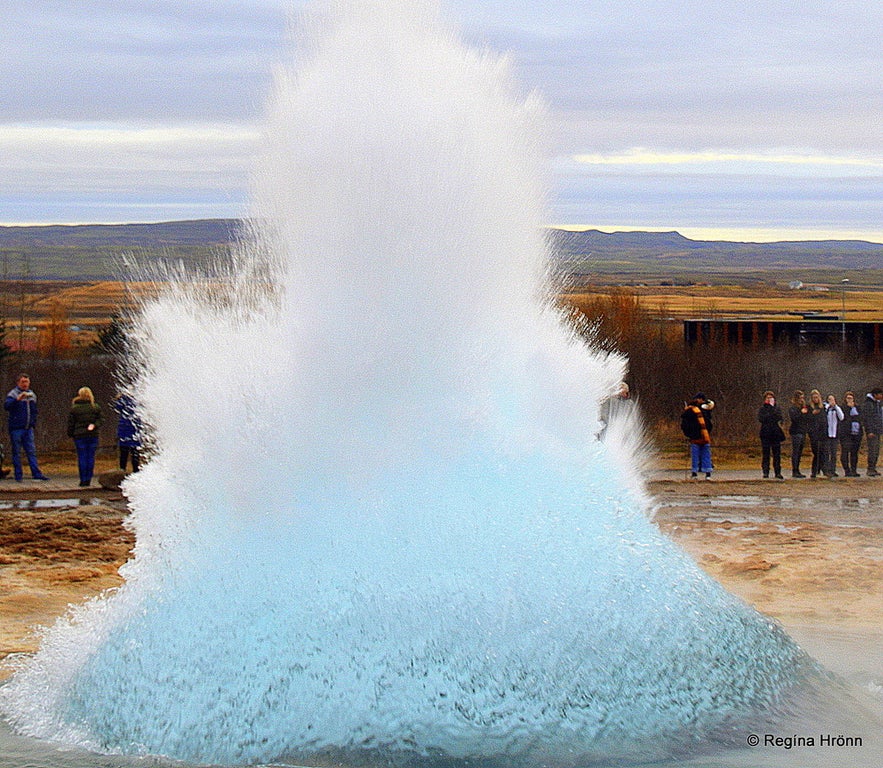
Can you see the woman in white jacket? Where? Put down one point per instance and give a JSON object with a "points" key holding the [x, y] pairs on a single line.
{"points": [[833, 417]]}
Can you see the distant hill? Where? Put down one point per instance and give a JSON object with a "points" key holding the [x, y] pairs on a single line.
{"points": [[98, 251], [659, 253]]}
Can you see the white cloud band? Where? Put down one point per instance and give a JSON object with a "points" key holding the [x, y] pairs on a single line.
{"points": [[32, 155], [710, 161]]}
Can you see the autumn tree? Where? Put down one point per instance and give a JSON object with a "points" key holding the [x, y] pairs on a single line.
{"points": [[55, 340]]}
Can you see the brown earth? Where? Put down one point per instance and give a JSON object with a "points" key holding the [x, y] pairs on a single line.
{"points": [[50, 559], [805, 552], [81, 308]]}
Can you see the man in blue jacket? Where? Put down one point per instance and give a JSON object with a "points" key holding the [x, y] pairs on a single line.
{"points": [[21, 406]]}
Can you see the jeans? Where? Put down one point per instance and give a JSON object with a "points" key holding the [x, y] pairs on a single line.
{"points": [[771, 449], [127, 451], [873, 452], [798, 440], [818, 454], [86, 448], [700, 458], [849, 445], [829, 455], [23, 438]]}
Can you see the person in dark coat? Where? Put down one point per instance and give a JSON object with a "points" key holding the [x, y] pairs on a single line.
{"points": [[83, 422], [798, 428], [696, 424], [128, 432], [849, 433], [872, 421], [817, 431], [21, 407], [771, 435]]}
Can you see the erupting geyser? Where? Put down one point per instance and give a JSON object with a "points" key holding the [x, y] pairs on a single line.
{"points": [[378, 524]]}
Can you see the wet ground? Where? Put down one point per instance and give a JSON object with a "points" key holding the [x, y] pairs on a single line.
{"points": [[59, 544], [804, 551]]}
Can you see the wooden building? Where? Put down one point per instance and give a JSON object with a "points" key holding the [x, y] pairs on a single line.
{"points": [[804, 330]]}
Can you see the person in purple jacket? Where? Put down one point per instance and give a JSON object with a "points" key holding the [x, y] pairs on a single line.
{"points": [[128, 431]]}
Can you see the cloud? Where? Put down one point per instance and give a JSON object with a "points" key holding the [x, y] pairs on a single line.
{"points": [[116, 98], [67, 155], [102, 136], [595, 195], [100, 61], [722, 162], [685, 75]]}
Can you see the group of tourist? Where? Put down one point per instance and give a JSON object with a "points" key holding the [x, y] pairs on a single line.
{"points": [[84, 421], [826, 425], [822, 425]]}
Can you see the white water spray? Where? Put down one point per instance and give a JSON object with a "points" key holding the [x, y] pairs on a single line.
{"points": [[379, 524]]}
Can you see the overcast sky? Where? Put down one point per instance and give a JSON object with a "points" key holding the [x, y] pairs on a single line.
{"points": [[748, 119]]}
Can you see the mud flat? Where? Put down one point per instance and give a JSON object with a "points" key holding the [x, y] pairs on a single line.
{"points": [[808, 553]]}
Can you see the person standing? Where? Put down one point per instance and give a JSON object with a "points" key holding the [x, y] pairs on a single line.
{"points": [[83, 422], [128, 431], [798, 416], [833, 417], [696, 424], [21, 409], [771, 435], [849, 433], [817, 431], [872, 421]]}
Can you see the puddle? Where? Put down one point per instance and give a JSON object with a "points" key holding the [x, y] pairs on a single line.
{"points": [[47, 503], [742, 509], [783, 502]]}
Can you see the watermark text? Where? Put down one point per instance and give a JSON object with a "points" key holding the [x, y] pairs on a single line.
{"points": [[793, 741]]}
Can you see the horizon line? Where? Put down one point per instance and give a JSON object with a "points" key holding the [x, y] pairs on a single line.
{"points": [[757, 234]]}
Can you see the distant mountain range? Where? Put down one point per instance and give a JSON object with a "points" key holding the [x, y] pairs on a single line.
{"points": [[101, 251], [104, 251], [668, 247]]}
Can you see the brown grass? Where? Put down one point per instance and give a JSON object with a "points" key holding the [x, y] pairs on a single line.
{"points": [[684, 302], [87, 306]]}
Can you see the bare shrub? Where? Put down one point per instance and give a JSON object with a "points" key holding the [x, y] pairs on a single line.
{"points": [[664, 372]]}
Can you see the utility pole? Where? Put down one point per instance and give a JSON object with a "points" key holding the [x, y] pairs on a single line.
{"points": [[843, 284]]}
